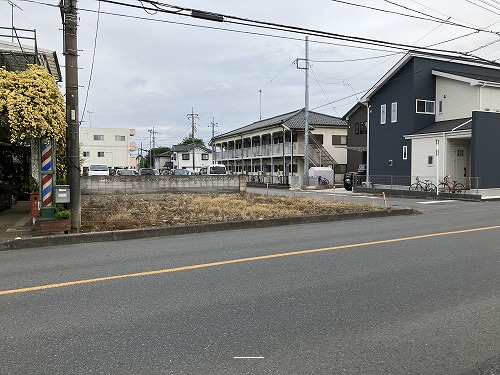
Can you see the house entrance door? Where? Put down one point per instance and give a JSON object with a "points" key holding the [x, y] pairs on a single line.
{"points": [[460, 165]]}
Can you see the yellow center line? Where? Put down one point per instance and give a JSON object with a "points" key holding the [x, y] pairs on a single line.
{"points": [[240, 260]]}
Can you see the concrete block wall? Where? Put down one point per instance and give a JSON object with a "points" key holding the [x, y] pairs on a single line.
{"points": [[112, 185]]}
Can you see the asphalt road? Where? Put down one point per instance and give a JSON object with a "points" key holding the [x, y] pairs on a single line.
{"points": [[403, 295]]}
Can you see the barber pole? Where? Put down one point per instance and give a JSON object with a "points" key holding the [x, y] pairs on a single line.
{"points": [[47, 179]]}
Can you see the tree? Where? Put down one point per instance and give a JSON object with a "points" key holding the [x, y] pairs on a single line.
{"points": [[32, 107], [190, 141]]}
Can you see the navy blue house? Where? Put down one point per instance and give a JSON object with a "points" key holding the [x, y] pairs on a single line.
{"points": [[433, 116]]}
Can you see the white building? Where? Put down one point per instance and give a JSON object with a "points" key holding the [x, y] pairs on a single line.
{"points": [[111, 146], [269, 148], [191, 157]]}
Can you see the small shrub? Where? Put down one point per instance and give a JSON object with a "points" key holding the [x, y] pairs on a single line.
{"points": [[63, 215]]}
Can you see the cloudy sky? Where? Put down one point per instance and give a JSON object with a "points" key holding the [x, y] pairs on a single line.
{"points": [[151, 69]]}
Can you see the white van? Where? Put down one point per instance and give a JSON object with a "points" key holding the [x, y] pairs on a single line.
{"points": [[214, 169], [98, 170]]}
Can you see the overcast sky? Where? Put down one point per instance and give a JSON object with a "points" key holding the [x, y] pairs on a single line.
{"points": [[151, 68]]}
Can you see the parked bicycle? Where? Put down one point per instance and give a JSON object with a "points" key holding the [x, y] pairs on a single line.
{"points": [[447, 186], [323, 181], [427, 185]]}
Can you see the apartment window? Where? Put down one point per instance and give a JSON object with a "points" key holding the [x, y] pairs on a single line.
{"points": [[119, 138], [185, 156], [204, 156], [405, 152], [318, 138], [339, 140], [86, 154], [430, 160], [100, 154], [98, 137], [383, 114], [394, 112], [426, 107]]}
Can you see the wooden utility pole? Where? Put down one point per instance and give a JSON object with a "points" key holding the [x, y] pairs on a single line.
{"points": [[70, 51]]}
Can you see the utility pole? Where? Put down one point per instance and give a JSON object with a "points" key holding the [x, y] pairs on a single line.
{"points": [[70, 51], [192, 116], [214, 124], [151, 133], [306, 115]]}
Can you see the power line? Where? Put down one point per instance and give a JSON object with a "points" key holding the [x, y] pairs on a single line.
{"points": [[92, 64]]}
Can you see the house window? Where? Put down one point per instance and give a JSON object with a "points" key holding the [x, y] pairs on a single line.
{"points": [[174, 156], [440, 106], [204, 156], [383, 114], [430, 160], [362, 127], [86, 154], [98, 137], [394, 112], [119, 138], [356, 128], [426, 107], [405, 152], [185, 156], [100, 154]]}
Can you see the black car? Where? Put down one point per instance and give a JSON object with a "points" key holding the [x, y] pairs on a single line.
{"points": [[146, 172], [349, 178]]}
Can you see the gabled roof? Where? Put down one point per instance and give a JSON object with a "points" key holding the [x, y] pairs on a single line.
{"points": [[17, 57], [430, 56], [292, 120], [353, 110], [445, 127], [185, 148]]}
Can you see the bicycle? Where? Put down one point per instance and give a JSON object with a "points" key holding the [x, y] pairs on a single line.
{"points": [[419, 186], [451, 187], [323, 181]]}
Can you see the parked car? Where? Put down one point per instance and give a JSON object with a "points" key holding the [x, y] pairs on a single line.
{"points": [[181, 172], [349, 179], [147, 172], [126, 172]]}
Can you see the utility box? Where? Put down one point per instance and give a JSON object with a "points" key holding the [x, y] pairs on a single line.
{"points": [[62, 194], [34, 205]]}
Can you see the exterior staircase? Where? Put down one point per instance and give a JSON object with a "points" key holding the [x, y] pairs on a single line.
{"points": [[319, 156]]}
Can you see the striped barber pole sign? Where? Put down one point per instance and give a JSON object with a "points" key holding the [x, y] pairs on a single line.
{"points": [[47, 179]]}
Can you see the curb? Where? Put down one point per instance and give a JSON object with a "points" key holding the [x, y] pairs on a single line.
{"points": [[130, 234]]}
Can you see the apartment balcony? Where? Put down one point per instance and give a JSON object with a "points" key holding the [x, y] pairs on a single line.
{"points": [[259, 152]]}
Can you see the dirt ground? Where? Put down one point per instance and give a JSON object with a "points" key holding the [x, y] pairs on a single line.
{"points": [[115, 212]]}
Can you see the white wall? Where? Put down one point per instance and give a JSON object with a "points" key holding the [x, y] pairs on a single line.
{"points": [[421, 149], [116, 152], [459, 99]]}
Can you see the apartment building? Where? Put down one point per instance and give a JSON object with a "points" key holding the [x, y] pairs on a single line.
{"points": [[111, 146]]}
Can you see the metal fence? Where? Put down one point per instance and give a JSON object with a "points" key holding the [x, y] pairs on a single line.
{"points": [[472, 184]]}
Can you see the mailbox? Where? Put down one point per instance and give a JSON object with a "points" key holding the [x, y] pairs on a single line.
{"points": [[62, 194]]}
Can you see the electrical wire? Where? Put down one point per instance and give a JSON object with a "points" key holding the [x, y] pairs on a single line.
{"points": [[93, 61]]}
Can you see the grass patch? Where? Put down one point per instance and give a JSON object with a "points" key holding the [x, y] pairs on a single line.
{"points": [[117, 212]]}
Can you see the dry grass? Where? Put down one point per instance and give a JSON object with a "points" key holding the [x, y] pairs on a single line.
{"points": [[105, 212]]}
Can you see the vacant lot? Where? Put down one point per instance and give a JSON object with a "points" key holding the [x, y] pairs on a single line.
{"points": [[105, 212]]}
